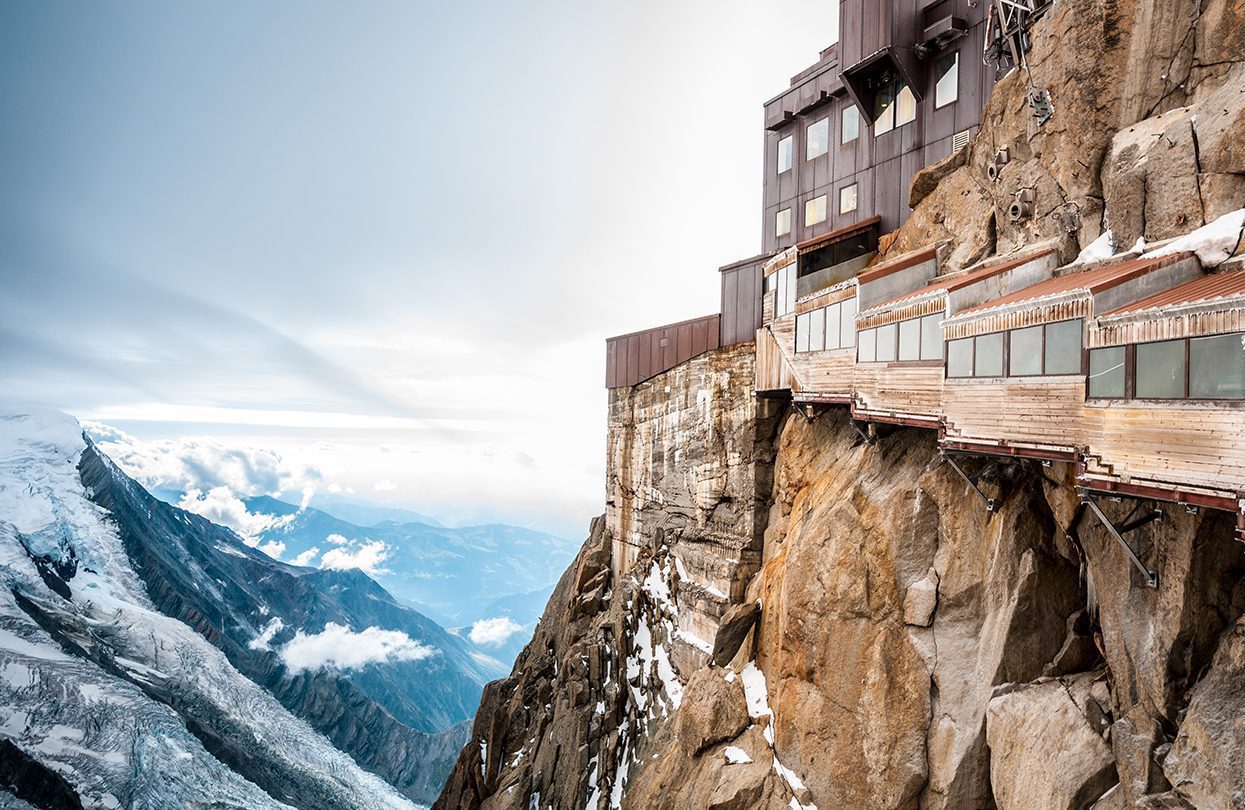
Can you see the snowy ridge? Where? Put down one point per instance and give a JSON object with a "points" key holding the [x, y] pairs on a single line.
{"points": [[101, 695]]}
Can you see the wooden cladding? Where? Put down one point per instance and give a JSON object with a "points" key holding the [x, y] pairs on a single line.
{"points": [[632, 359]]}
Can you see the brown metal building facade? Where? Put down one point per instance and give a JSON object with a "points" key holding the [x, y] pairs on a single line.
{"points": [[904, 85]]}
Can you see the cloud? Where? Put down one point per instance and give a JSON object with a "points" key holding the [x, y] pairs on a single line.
{"points": [[385, 486], [204, 464], [494, 631], [338, 540], [221, 505], [367, 558], [306, 557], [338, 647], [273, 548], [265, 637]]}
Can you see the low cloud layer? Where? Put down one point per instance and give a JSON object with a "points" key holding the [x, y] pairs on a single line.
{"points": [[221, 505], [494, 632], [339, 647], [366, 557]]}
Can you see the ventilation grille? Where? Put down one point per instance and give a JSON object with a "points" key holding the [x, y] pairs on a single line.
{"points": [[960, 140]]}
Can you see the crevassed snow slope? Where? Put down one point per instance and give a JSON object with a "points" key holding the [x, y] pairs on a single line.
{"points": [[115, 697]]}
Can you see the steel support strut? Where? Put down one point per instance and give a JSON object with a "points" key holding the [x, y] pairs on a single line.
{"points": [[992, 504], [863, 433], [1118, 532]]}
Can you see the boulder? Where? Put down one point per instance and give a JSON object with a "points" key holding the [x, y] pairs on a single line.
{"points": [[712, 710], [734, 627], [1046, 749]]}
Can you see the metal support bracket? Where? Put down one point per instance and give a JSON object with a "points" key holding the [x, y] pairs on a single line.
{"points": [[863, 433], [1118, 532], [992, 504]]}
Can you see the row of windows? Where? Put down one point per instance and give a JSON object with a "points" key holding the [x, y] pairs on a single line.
{"points": [[1195, 368], [893, 106], [815, 210], [1049, 349], [784, 281], [830, 327], [910, 340]]}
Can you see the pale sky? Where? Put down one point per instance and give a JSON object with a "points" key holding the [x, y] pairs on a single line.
{"points": [[385, 241]]}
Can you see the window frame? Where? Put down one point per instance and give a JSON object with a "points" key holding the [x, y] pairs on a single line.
{"points": [[790, 141], [843, 130], [808, 139], [777, 233], [825, 212], [854, 187]]}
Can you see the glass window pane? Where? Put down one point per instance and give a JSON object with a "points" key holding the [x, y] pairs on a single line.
{"points": [[960, 358], [1025, 358], [784, 153], [886, 342], [801, 332], [884, 110], [815, 210], [1063, 347], [782, 222], [1160, 370], [851, 124], [818, 142], [931, 337], [834, 328], [947, 73], [816, 330], [988, 355], [780, 302], [905, 105], [847, 199], [866, 352], [910, 339], [1217, 367], [847, 325], [789, 303], [1106, 372]]}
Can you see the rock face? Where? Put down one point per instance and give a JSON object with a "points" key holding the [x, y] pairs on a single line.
{"points": [[911, 650]]}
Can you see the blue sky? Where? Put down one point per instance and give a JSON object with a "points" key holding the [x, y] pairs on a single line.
{"points": [[384, 240]]}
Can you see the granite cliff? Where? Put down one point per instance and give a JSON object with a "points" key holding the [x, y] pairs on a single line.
{"points": [[775, 612]]}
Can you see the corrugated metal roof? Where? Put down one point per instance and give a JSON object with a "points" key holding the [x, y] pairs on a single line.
{"points": [[959, 281], [1094, 281], [1207, 288]]}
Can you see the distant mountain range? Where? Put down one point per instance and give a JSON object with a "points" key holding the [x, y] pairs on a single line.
{"points": [[455, 575], [151, 658]]}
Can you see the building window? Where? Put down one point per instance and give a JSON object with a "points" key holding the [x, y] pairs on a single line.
{"points": [[847, 323], [818, 142], [847, 199], [817, 330], [1025, 357], [887, 335], [784, 302], [1217, 367], [960, 358], [947, 80], [827, 328], [988, 355], [850, 124], [867, 345], [910, 339], [782, 222], [916, 338], [784, 153], [801, 332], [931, 337], [1106, 373], [815, 210], [1161, 370], [893, 106], [1062, 352]]}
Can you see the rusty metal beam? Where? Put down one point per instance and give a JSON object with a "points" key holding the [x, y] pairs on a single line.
{"points": [[992, 504], [1118, 532]]}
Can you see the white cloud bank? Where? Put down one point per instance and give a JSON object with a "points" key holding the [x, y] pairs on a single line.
{"points": [[306, 557], [339, 647], [221, 505], [366, 557], [494, 631]]}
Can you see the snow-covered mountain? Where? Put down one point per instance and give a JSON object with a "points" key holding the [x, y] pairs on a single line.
{"points": [[149, 658]]}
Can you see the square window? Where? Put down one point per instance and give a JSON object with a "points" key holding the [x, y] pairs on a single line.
{"points": [[910, 339], [1217, 367], [1025, 357], [931, 337], [886, 342], [815, 210], [946, 80], [847, 199], [817, 330], [905, 105], [782, 222], [960, 358], [1063, 347], [988, 355], [1106, 372], [867, 350], [849, 129], [818, 142], [847, 322], [784, 153], [1160, 370]]}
